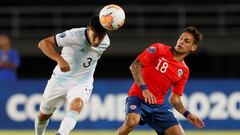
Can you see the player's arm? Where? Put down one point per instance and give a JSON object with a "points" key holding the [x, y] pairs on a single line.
{"points": [[13, 64], [47, 47], [10, 65], [176, 101], [136, 70]]}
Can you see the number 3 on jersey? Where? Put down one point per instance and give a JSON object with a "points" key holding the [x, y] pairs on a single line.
{"points": [[88, 63], [162, 66]]}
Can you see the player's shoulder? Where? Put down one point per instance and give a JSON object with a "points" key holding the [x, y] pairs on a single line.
{"points": [[106, 39], [81, 32], [72, 33], [77, 31], [161, 45], [185, 67], [105, 43]]}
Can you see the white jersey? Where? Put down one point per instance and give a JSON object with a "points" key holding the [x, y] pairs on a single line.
{"points": [[80, 55]]}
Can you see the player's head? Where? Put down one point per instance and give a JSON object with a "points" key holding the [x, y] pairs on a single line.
{"points": [[188, 40], [4, 42], [96, 32]]}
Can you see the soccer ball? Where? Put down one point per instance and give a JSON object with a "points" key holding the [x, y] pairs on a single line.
{"points": [[112, 17]]}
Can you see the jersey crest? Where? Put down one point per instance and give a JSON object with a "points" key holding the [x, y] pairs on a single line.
{"points": [[151, 49], [180, 72], [133, 107]]}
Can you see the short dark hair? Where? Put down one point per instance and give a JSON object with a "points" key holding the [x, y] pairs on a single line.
{"points": [[198, 36], [96, 25]]}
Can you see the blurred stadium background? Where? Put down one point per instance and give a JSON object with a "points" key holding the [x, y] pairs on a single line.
{"points": [[213, 89]]}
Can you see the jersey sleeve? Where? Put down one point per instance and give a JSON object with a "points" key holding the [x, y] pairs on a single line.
{"points": [[104, 44], [149, 54], [178, 87], [67, 38]]}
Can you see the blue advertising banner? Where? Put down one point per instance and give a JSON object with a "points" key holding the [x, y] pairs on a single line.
{"points": [[216, 101]]}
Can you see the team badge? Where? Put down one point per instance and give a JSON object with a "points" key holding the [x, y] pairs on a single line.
{"points": [[151, 49], [62, 35], [180, 72], [133, 107]]}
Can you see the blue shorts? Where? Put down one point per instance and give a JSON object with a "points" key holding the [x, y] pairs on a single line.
{"points": [[157, 116]]}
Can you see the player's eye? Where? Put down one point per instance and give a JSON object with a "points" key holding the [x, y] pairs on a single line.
{"points": [[187, 41]]}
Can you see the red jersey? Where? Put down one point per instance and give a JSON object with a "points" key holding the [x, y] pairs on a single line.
{"points": [[160, 71]]}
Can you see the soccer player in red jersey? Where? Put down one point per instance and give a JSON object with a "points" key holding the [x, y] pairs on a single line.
{"points": [[155, 70]]}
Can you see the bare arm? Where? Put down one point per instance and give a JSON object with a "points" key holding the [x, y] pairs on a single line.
{"points": [[176, 101], [136, 70], [8, 65], [47, 47]]}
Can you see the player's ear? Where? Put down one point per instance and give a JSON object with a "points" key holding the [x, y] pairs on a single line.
{"points": [[194, 48]]}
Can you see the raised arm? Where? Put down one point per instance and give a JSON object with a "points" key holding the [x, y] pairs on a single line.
{"points": [[47, 47], [176, 101], [136, 70]]}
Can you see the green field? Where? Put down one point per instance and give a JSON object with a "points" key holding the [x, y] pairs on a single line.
{"points": [[103, 132]]}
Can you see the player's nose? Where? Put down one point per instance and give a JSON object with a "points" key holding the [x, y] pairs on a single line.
{"points": [[95, 43], [97, 40]]}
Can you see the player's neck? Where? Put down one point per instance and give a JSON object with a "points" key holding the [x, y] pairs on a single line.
{"points": [[87, 36], [6, 48], [179, 56]]}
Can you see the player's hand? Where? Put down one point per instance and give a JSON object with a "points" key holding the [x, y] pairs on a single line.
{"points": [[63, 65], [195, 120], [149, 97]]}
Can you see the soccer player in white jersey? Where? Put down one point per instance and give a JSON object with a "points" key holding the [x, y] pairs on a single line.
{"points": [[72, 78]]}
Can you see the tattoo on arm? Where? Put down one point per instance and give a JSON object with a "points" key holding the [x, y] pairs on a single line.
{"points": [[136, 70], [177, 104], [179, 107]]}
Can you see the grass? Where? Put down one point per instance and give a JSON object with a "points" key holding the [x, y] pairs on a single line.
{"points": [[110, 132]]}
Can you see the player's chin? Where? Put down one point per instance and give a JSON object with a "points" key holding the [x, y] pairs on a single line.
{"points": [[95, 44], [180, 51]]}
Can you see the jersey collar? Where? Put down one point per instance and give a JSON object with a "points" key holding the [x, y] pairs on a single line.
{"points": [[87, 38]]}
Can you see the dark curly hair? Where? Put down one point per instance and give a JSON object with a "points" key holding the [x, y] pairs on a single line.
{"points": [[96, 25], [198, 36]]}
